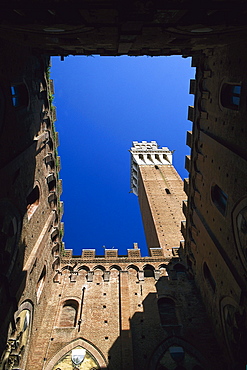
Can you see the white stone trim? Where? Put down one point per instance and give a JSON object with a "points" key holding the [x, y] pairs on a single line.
{"points": [[147, 154]]}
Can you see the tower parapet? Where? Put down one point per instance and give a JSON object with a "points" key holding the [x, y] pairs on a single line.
{"points": [[147, 153]]}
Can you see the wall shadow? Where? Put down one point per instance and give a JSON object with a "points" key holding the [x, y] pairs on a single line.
{"points": [[21, 119]]}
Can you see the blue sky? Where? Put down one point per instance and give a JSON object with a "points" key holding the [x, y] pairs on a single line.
{"points": [[103, 104]]}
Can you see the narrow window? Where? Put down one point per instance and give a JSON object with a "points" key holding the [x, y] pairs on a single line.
{"points": [[32, 201], [40, 284], [208, 276], [230, 96], [167, 191], [68, 316], [19, 94], [51, 182], [167, 311], [219, 198]]}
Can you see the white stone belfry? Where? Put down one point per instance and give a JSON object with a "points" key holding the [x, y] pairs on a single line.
{"points": [[147, 154]]}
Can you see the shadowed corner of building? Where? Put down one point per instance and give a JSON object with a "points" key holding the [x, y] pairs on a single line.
{"points": [[25, 142], [173, 340]]}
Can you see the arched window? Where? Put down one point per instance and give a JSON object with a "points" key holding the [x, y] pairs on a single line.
{"points": [[19, 95], [167, 311], [32, 201], [230, 96], [68, 317], [219, 198], [148, 271]]}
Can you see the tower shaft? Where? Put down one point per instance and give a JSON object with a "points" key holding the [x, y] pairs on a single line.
{"points": [[160, 193]]}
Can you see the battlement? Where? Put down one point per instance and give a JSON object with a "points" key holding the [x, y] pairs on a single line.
{"points": [[135, 253]]}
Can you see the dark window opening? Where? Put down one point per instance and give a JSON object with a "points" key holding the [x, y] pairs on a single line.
{"points": [[219, 198], [33, 201], [157, 167], [52, 185], [167, 312], [148, 271], [41, 282], [167, 191], [230, 96], [19, 94], [50, 144], [33, 197], [208, 276]]}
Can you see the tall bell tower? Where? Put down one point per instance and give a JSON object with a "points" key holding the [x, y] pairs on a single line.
{"points": [[160, 191]]}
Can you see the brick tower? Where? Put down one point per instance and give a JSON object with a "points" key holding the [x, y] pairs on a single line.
{"points": [[160, 192]]}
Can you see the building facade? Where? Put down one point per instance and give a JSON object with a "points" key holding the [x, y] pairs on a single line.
{"points": [[215, 212]]}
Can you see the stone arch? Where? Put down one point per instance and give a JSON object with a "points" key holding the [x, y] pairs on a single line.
{"points": [[163, 269], [93, 350], [114, 271], [99, 267], [116, 267], [148, 270], [134, 267], [67, 267], [188, 349], [84, 268]]}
